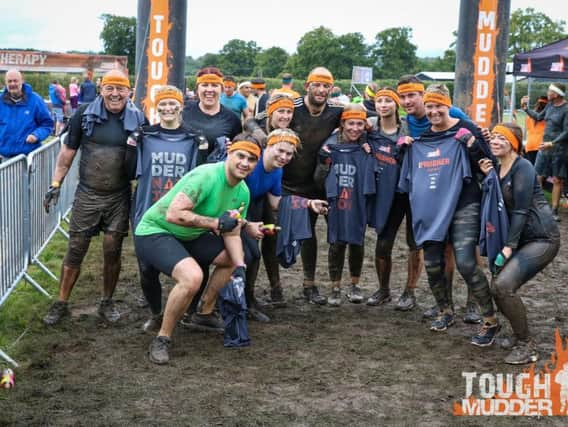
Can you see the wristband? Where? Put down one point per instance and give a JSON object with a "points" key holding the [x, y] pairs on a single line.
{"points": [[55, 184]]}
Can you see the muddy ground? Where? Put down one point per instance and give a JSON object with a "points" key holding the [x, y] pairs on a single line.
{"points": [[354, 365]]}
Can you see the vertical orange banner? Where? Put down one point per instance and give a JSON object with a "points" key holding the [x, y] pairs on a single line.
{"points": [[484, 74]]}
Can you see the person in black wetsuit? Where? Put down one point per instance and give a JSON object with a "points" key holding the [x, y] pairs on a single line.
{"points": [[533, 239]]}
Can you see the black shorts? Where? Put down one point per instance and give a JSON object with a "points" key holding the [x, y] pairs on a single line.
{"points": [[163, 251]]}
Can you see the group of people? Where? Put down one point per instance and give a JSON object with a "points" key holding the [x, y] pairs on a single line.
{"points": [[210, 188]]}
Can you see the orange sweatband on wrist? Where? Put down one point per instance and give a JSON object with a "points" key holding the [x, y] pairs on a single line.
{"points": [[437, 98], [258, 85], [281, 103], [168, 94], [275, 139], [355, 115], [506, 132], [209, 78], [388, 93], [320, 78], [249, 147], [115, 80], [410, 87], [228, 83]]}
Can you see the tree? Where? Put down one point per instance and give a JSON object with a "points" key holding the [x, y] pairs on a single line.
{"points": [[270, 62], [191, 66], [119, 37], [529, 29], [210, 60], [237, 57], [393, 54], [352, 51], [318, 47]]}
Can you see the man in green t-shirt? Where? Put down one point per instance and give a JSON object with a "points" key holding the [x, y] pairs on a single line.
{"points": [[196, 223]]}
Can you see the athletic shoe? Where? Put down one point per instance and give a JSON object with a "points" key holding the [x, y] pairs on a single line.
{"points": [[355, 295], [486, 335], [443, 322], [158, 352], [406, 302], [153, 324], [204, 323], [334, 299], [471, 314], [57, 311], [255, 314], [523, 352], [431, 313], [311, 294], [381, 296], [277, 297], [108, 311]]}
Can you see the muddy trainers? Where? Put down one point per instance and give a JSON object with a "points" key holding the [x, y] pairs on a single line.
{"points": [[277, 297], [159, 350], [206, 323], [153, 324], [255, 314], [355, 295], [471, 314], [108, 311], [431, 313], [486, 335], [381, 296], [311, 294], [443, 322], [523, 352], [406, 302], [334, 299], [57, 311]]}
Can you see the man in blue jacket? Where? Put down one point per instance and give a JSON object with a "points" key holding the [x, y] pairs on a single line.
{"points": [[25, 120]]}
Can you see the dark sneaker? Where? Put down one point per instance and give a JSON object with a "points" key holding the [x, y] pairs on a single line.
{"points": [[311, 294], [471, 314], [431, 313], [523, 352], [108, 311], [406, 302], [506, 342], [334, 299], [57, 311], [159, 350], [153, 324], [443, 322], [205, 323], [556, 217], [355, 295], [255, 314], [486, 335], [277, 297], [381, 296]]}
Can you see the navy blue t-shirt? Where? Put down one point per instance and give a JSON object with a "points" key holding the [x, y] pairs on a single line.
{"points": [[261, 182], [351, 178], [433, 172], [294, 220]]}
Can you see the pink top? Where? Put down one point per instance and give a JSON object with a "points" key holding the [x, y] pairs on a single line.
{"points": [[73, 89]]}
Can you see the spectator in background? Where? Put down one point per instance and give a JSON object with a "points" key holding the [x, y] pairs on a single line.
{"points": [[259, 90], [98, 85], [73, 94], [25, 118], [369, 98], [58, 99], [337, 97], [535, 131], [233, 100], [288, 86], [245, 89], [87, 90]]}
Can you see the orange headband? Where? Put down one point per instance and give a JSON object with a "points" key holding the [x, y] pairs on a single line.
{"points": [[116, 80], [168, 94], [281, 103], [258, 85], [410, 87], [437, 98], [321, 78], [506, 132], [229, 83], [357, 115], [389, 93], [249, 147], [209, 78], [275, 139]]}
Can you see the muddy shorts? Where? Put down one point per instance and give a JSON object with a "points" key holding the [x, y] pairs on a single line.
{"points": [[552, 163], [163, 251], [93, 213]]}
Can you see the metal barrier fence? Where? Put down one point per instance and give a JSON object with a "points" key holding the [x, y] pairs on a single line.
{"points": [[25, 228]]}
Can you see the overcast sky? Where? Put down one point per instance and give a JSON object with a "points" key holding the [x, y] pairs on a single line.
{"points": [[62, 25]]}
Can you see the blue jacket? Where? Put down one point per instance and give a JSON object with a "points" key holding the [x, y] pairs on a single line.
{"points": [[56, 101], [17, 121], [87, 92]]}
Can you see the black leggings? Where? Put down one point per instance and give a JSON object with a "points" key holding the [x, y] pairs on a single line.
{"points": [[464, 236], [336, 259], [525, 263]]}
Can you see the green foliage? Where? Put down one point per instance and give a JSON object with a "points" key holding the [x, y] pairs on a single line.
{"points": [[315, 48], [191, 66], [393, 54], [119, 37], [270, 62], [210, 60], [529, 29], [238, 57]]}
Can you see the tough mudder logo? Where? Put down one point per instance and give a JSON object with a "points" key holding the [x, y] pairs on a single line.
{"points": [[529, 393]]}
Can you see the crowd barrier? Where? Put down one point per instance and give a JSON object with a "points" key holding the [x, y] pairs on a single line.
{"points": [[25, 228]]}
